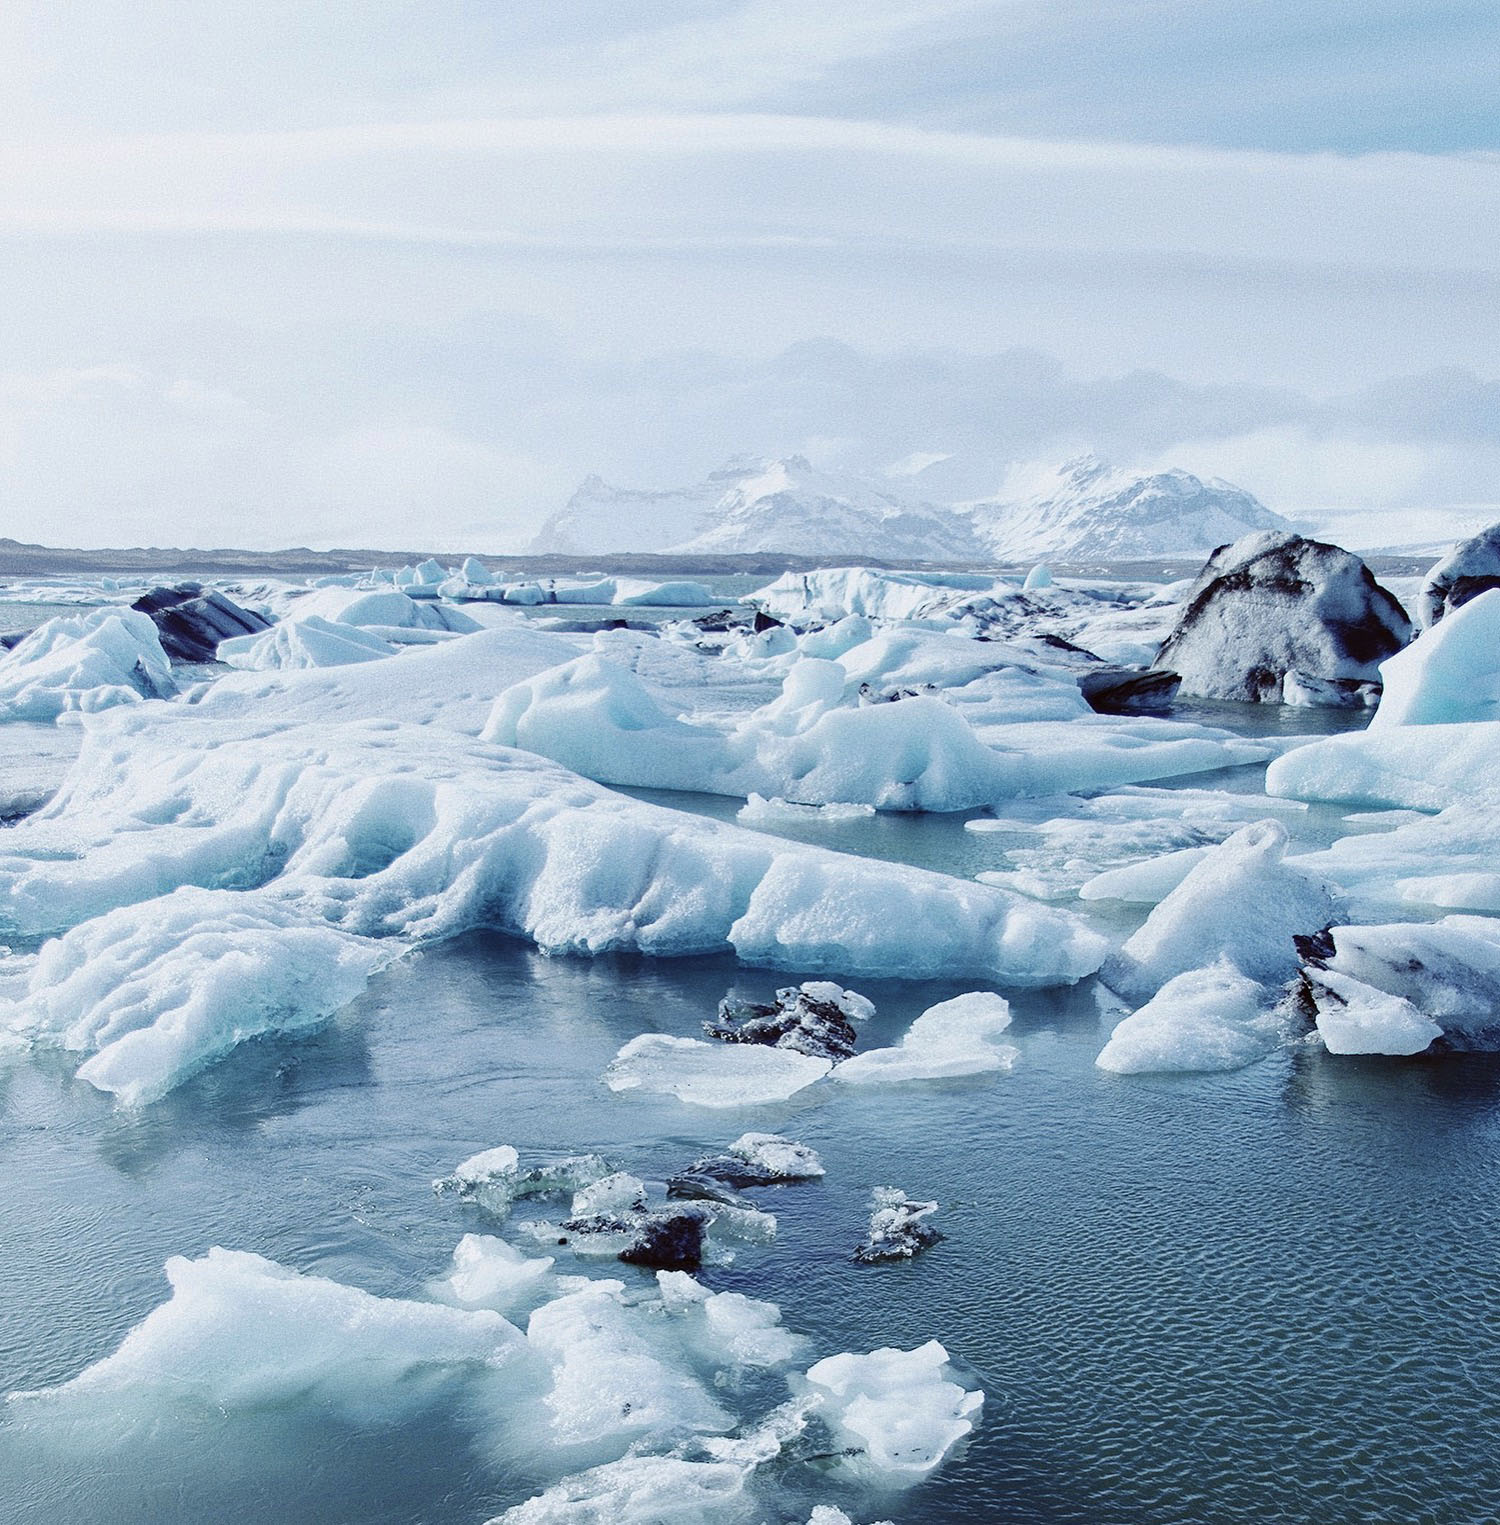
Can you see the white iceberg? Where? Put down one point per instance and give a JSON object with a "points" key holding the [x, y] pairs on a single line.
{"points": [[895, 1413], [1241, 902], [155, 992], [489, 1273], [388, 830], [955, 1037], [356, 606], [241, 1332], [1449, 674], [85, 662], [310, 641], [1206, 1019]]}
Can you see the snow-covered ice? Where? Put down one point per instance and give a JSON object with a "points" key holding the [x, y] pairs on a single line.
{"points": [[1242, 902], [84, 662], [310, 641]]}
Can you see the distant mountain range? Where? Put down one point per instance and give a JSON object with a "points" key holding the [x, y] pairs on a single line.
{"points": [[1084, 511]]}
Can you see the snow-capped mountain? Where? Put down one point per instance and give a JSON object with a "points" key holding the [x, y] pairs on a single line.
{"points": [[1087, 510], [1084, 510], [755, 505]]}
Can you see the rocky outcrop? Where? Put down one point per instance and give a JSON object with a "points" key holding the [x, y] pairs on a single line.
{"points": [[1467, 570], [192, 620], [812, 1019], [1275, 604]]}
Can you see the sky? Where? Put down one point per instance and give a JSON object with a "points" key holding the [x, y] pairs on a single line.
{"points": [[380, 272]]}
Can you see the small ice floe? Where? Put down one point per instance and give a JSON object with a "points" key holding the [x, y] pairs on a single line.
{"points": [[153, 993], [712, 1074], [898, 1226], [894, 1414], [815, 1018], [727, 1329], [955, 1037], [1206, 1019], [757, 1159], [495, 1180]]}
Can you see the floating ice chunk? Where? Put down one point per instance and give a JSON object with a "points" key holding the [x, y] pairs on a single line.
{"points": [[1144, 883], [1206, 1019], [1395, 989], [392, 830], [1356, 1018], [241, 1332], [488, 1273], [727, 1328], [835, 592], [640, 1490], [84, 662], [500, 1165], [618, 1194], [495, 1180], [898, 1227], [609, 1379], [753, 1159], [1241, 902], [774, 812], [310, 641], [712, 1074], [1449, 674], [898, 1412], [193, 621], [1040, 576], [955, 1037], [353, 606], [153, 993]]}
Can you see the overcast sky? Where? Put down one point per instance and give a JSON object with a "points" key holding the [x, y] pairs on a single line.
{"points": [[381, 271]]}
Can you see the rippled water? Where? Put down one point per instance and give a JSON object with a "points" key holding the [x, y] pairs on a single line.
{"points": [[1262, 1296]]}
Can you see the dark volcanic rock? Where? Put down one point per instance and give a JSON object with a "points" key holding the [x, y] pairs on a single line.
{"points": [[1128, 690], [1273, 604], [1469, 569], [809, 1019], [191, 621]]}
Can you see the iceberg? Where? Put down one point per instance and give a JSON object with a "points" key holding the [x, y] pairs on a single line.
{"points": [[383, 829], [1450, 674], [310, 641], [489, 1273], [1206, 1019], [84, 662], [758, 1159], [955, 1037], [1273, 604], [1241, 902], [193, 621], [242, 1332], [389, 606], [1472, 567], [814, 1018], [155, 992]]}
